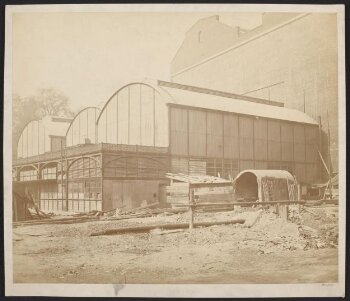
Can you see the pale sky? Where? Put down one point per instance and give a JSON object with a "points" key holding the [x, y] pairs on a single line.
{"points": [[88, 56]]}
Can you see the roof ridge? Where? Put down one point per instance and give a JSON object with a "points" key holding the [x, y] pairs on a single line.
{"points": [[219, 93]]}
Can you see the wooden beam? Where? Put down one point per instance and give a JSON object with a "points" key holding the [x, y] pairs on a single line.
{"points": [[141, 229], [324, 163]]}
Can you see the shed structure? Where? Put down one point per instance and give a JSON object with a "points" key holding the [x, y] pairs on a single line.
{"points": [[265, 185], [149, 128]]}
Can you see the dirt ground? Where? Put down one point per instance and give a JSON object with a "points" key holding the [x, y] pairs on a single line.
{"points": [[271, 251]]}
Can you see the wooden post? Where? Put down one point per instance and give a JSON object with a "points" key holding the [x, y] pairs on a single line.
{"points": [[191, 208], [282, 211], [298, 192]]}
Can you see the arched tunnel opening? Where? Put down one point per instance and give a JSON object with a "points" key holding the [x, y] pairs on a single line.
{"points": [[246, 187]]}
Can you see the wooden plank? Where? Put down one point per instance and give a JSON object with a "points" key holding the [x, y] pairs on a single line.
{"points": [[212, 193], [215, 198], [140, 229]]}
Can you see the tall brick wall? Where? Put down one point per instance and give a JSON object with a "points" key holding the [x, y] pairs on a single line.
{"points": [[299, 57]]}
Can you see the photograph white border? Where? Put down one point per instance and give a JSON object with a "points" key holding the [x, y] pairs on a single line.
{"points": [[187, 290]]}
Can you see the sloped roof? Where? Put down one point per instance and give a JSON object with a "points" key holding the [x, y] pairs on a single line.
{"points": [[214, 102]]}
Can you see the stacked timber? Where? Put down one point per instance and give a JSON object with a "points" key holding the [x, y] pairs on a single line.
{"points": [[213, 194], [196, 178], [177, 194], [204, 189]]}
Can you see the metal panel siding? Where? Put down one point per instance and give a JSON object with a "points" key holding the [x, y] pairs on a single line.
{"points": [[197, 133], [260, 165], [161, 122], [243, 165], [300, 172], [260, 139], [311, 173], [311, 143], [287, 141], [179, 134], [299, 143], [231, 138], [214, 135], [274, 140], [246, 136]]}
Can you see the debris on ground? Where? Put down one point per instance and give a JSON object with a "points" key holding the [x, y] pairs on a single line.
{"points": [[68, 250]]}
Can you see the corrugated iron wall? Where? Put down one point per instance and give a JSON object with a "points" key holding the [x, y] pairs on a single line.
{"points": [[197, 133], [199, 137], [231, 137]]}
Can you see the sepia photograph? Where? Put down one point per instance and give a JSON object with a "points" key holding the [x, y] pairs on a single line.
{"points": [[174, 150]]}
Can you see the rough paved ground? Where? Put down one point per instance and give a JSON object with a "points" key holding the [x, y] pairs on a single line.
{"points": [[272, 251]]}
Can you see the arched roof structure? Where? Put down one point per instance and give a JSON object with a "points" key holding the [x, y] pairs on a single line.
{"points": [[35, 137], [270, 173], [82, 129], [137, 113]]}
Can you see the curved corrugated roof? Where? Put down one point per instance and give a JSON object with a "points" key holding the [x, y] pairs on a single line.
{"points": [[186, 97], [271, 173]]}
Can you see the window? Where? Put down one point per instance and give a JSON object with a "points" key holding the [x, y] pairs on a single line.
{"points": [[28, 175], [84, 168], [49, 173]]}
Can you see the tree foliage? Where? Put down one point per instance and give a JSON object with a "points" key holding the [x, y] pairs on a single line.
{"points": [[52, 102], [44, 102]]}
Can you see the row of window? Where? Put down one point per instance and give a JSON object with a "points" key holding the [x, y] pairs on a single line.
{"points": [[228, 169], [50, 205], [135, 167]]}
